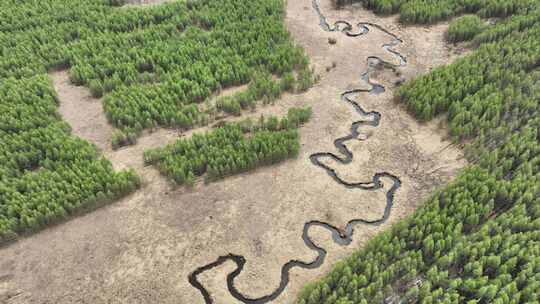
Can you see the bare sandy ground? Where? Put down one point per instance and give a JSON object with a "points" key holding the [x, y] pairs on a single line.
{"points": [[142, 248]]}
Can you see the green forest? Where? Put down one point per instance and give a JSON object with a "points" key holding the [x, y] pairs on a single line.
{"points": [[430, 11], [153, 66], [45, 173], [476, 240], [230, 149]]}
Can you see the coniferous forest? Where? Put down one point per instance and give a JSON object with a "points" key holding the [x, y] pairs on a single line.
{"points": [[478, 239], [231, 149], [153, 67], [45, 173], [136, 58]]}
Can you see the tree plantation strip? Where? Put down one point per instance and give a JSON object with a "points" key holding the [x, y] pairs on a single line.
{"points": [[476, 240], [226, 150]]}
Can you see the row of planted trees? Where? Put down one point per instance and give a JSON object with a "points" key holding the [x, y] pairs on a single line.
{"points": [[231, 148], [477, 239]]}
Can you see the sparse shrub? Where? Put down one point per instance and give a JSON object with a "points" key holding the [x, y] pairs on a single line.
{"points": [[305, 80], [122, 138], [229, 105], [96, 89]]}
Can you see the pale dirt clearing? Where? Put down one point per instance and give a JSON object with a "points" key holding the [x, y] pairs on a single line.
{"points": [[142, 248], [82, 112]]}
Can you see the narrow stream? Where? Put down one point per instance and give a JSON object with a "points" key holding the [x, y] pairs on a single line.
{"points": [[341, 237]]}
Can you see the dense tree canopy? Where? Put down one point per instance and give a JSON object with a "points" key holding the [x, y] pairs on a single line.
{"points": [[154, 65], [45, 173]]}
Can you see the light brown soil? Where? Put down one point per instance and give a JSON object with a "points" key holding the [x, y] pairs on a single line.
{"points": [[82, 112], [142, 248]]}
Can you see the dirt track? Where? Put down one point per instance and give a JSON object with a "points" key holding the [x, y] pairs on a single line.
{"points": [[142, 248]]}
